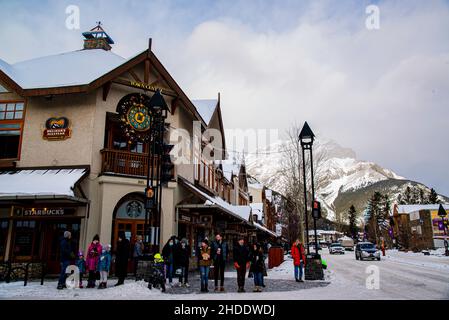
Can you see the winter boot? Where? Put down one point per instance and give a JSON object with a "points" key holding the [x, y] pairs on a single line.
{"points": [[259, 289], [222, 289], [256, 289], [217, 289]]}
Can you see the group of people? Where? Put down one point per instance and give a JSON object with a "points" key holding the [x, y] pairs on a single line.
{"points": [[96, 264], [175, 255]]}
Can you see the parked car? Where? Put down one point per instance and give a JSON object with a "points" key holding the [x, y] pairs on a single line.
{"points": [[336, 248], [366, 250]]}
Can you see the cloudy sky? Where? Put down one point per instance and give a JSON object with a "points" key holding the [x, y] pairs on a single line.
{"points": [[382, 92]]}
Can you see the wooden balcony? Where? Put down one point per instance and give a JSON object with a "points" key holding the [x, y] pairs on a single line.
{"points": [[124, 163]]}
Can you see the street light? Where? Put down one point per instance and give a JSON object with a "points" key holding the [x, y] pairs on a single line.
{"points": [[442, 214], [306, 137], [314, 268], [158, 111]]}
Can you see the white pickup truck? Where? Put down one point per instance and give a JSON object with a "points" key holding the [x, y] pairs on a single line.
{"points": [[347, 243]]}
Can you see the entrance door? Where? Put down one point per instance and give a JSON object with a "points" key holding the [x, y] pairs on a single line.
{"points": [[54, 232], [131, 228]]}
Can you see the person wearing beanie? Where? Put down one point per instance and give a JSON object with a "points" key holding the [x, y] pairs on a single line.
{"points": [[104, 265], [66, 254], [205, 260], [121, 258], [93, 256], [81, 264]]}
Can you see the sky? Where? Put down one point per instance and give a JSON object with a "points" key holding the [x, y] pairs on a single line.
{"points": [[383, 92]]}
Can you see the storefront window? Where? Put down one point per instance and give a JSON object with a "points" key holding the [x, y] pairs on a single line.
{"points": [[3, 236], [26, 239]]}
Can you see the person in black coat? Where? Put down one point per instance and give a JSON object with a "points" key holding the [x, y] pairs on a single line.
{"points": [[169, 252], [182, 261], [121, 258], [219, 256], [241, 261], [66, 254]]}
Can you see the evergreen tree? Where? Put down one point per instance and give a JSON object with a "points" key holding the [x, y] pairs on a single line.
{"points": [[407, 196], [433, 197], [415, 196], [352, 217]]}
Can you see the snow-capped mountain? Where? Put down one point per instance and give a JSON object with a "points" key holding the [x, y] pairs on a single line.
{"points": [[340, 174]]}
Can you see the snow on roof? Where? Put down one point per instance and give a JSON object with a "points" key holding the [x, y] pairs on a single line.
{"points": [[417, 207], [268, 194], [66, 69], [256, 185], [241, 212], [263, 228], [206, 108], [257, 208], [230, 168], [39, 182]]}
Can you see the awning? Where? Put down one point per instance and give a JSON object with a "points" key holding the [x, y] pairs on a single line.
{"points": [[265, 229], [41, 184], [239, 212]]}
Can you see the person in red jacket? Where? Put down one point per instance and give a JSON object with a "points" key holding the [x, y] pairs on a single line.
{"points": [[299, 259]]}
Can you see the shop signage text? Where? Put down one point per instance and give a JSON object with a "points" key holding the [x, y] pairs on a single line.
{"points": [[57, 129], [41, 212]]}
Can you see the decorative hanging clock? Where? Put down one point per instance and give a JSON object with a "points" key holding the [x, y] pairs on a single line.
{"points": [[135, 117]]}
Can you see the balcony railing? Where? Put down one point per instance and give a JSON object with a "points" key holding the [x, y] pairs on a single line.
{"points": [[122, 162]]}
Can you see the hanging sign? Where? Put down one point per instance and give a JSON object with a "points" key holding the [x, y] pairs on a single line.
{"points": [[57, 129]]}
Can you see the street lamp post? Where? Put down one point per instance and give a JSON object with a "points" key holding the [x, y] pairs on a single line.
{"points": [[314, 269], [153, 192]]}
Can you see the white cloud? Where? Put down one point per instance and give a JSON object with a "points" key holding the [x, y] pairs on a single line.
{"points": [[383, 93]]}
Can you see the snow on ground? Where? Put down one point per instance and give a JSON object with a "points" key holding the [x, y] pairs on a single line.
{"points": [[437, 260], [401, 276]]}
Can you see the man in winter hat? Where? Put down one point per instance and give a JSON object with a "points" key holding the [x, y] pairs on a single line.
{"points": [[66, 254]]}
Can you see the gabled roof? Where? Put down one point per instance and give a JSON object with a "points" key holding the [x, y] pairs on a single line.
{"points": [[206, 108], [80, 71]]}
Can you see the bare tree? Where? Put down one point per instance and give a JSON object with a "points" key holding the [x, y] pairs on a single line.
{"points": [[292, 178]]}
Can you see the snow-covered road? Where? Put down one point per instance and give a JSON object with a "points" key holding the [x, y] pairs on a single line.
{"points": [[401, 276]]}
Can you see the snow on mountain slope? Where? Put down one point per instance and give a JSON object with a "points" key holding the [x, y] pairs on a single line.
{"points": [[338, 170]]}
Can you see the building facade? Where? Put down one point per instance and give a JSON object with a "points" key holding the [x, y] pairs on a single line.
{"points": [[67, 164]]}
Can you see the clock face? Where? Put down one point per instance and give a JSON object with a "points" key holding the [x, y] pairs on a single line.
{"points": [[135, 117], [138, 117]]}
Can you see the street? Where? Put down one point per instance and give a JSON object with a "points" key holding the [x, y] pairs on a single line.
{"points": [[401, 276]]}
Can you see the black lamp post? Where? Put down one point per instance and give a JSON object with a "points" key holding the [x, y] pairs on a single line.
{"points": [[306, 138], [153, 192]]}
